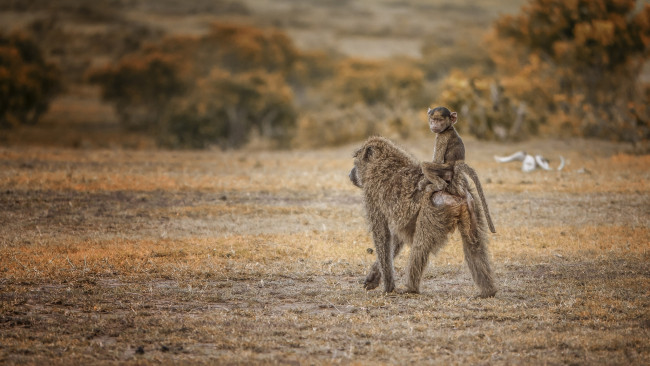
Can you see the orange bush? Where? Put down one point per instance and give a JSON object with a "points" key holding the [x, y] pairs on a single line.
{"points": [[27, 81], [243, 48], [224, 108], [373, 82], [140, 87], [213, 89], [589, 55], [561, 68]]}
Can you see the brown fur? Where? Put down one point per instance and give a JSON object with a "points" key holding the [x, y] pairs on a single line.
{"points": [[448, 147], [448, 170], [398, 212], [456, 176]]}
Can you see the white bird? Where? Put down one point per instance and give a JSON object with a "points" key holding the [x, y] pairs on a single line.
{"points": [[529, 162], [518, 156]]}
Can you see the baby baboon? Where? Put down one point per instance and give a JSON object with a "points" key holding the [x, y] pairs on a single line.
{"points": [[398, 212], [448, 147], [448, 170]]}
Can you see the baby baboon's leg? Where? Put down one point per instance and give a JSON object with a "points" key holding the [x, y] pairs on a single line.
{"points": [[478, 261], [374, 276]]}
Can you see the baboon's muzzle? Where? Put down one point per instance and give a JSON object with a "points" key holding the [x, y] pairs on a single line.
{"points": [[354, 178]]}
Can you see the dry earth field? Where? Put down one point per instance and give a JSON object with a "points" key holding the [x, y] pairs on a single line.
{"points": [[247, 257]]}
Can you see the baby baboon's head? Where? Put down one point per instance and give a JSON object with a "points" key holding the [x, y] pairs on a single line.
{"points": [[440, 119]]}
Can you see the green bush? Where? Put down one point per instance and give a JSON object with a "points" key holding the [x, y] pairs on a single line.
{"points": [[27, 82]]}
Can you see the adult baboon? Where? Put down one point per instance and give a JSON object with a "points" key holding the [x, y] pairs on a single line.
{"points": [[398, 212]]}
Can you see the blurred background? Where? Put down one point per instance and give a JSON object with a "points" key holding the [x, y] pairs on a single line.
{"points": [[306, 74]]}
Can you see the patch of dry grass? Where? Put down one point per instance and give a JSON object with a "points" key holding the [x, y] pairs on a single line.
{"points": [[110, 256]]}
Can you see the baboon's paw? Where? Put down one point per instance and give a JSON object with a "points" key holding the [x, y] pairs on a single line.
{"points": [[389, 288], [371, 283], [406, 291], [486, 293]]}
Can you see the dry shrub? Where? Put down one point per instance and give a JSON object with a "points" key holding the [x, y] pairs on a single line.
{"points": [[223, 109], [140, 86], [239, 48], [335, 126], [365, 98], [596, 50], [194, 92], [440, 59], [561, 68], [27, 81], [375, 82], [313, 68]]}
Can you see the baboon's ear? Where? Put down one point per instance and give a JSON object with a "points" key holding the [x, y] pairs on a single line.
{"points": [[368, 152], [429, 111], [454, 118]]}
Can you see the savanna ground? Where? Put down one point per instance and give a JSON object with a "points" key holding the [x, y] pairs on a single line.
{"points": [[247, 257], [254, 257]]}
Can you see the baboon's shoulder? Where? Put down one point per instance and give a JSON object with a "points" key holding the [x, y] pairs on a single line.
{"points": [[391, 149]]}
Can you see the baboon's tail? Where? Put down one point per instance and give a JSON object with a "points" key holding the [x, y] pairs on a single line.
{"points": [[472, 173]]}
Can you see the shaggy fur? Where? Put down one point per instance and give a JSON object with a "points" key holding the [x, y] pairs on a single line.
{"points": [[398, 212]]}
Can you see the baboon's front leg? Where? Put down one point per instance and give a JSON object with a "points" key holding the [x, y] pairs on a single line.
{"points": [[374, 275], [382, 239]]}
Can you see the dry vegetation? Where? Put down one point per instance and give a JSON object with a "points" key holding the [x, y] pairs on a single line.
{"points": [[81, 37], [113, 256], [136, 257]]}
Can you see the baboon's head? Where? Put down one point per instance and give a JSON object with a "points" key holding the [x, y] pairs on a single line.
{"points": [[440, 119], [362, 158]]}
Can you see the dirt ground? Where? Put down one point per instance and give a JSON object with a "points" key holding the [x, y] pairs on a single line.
{"points": [[254, 257]]}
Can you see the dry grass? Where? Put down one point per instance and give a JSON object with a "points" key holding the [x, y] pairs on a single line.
{"points": [[136, 257]]}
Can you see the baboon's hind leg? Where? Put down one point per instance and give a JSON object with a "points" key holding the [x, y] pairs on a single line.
{"points": [[477, 258], [374, 276], [427, 240]]}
